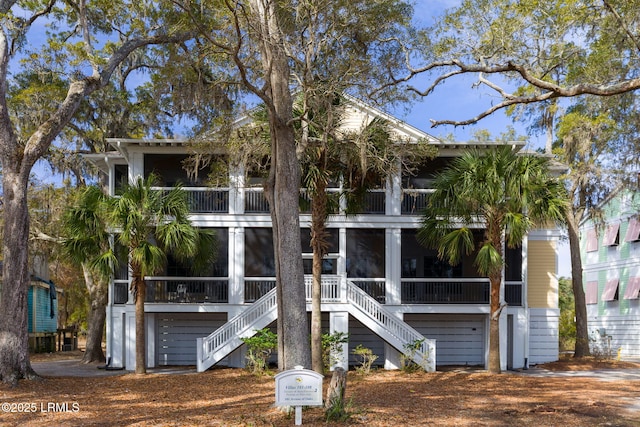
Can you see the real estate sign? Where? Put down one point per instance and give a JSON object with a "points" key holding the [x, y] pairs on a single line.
{"points": [[299, 387]]}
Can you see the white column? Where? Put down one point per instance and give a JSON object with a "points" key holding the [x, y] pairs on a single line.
{"points": [[136, 166], [393, 239], [391, 355], [236, 191], [150, 323], [236, 265], [393, 199], [130, 339], [339, 322]]}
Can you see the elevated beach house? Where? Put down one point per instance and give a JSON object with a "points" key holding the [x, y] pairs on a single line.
{"points": [[379, 284]]}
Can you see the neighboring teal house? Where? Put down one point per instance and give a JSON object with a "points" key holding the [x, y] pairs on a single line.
{"points": [[42, 301], [42, 306], [610, 250]]}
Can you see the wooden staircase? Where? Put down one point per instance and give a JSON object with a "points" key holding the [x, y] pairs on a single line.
{"points": [[358, 303]]}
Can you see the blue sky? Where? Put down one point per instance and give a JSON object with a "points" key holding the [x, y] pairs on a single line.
{"points": [[455, 100]]}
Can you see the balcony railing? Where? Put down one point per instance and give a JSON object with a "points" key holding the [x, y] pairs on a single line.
{"points": [[455, 291], [255, 201], [375, 288], [178, 290], [374, 202], [414, 201], [413, 291], [205, 199], [192, 289]]}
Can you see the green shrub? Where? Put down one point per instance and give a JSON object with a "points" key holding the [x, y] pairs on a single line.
{"points": [[407, 363], [259, 349], [332, 348], [367, 358]]}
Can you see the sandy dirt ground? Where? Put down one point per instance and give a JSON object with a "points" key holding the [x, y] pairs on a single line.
{"points": [[456, 396]]}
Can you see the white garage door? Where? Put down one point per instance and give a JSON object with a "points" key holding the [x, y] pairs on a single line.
{"points": [[459, 338]]}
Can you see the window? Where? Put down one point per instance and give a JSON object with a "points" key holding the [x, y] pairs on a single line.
{"points": [[120, 178], [633, 232], [365, 253], [611, 235], [611, 290], [633, 288], [259, 260], [592, 240], [592, 293]]}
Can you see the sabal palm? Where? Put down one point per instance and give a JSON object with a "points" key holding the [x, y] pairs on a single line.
{"points": [[153, 223], [86, 244], [360, 160], [506, 193]]}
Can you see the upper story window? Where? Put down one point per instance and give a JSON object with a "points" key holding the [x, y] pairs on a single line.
{"points": [[592, 240], [610, 292], [633, 288], [611, 236], [633, 232], [424, 175], [591, 293], [172, 169], [120, 178]]}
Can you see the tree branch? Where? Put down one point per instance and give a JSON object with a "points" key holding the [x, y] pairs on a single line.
{"points": [[549, 90], [40, 140]]}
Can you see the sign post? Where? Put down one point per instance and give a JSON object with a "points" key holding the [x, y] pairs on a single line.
{"points": [[298, 387]]}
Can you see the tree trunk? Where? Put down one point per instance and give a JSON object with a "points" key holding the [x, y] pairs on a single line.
{"points": [[139, 293], [14, 336], [336, 390], [318, 244], [285, 212], [494, 325], [582, 331], [96, 318]]}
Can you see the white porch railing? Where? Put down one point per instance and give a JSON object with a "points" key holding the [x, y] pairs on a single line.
{"points": [[224, 340], [390, 328]]}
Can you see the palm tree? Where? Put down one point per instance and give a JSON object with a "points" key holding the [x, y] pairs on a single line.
{"points": [[360, 160], [86, 244], [152, 224], [506, 192]]}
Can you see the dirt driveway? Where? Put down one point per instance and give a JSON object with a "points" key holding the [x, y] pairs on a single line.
{"points": [[232, 397]]}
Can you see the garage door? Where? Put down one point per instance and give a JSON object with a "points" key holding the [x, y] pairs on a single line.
{"points": [[459, 338], [177, 334]]}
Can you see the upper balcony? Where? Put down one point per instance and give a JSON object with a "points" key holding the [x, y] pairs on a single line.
{"points": [[215, 290]]}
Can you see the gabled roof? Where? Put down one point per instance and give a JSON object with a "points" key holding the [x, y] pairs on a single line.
{"points": [[359, 115]]}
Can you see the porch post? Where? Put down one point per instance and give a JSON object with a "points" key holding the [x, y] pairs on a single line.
{"points": [[339, 322], [236, 265], [391, 355]]}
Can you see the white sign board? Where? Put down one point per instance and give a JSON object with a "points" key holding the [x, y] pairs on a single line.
{"points": [[299, 387]]}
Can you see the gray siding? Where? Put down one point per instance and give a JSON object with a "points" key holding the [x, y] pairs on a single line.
{"points": [[177, 334], [360, 334], [459, 338]]}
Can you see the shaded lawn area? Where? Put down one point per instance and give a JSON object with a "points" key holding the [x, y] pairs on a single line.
{"points": [[232, 397]]}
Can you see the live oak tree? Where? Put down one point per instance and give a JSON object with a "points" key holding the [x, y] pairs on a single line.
{"points": [[114, 110], [531, 54], [507, 194], [87, 42]]}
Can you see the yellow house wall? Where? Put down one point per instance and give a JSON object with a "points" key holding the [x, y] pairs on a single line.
{"points": [[541, 277]]}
